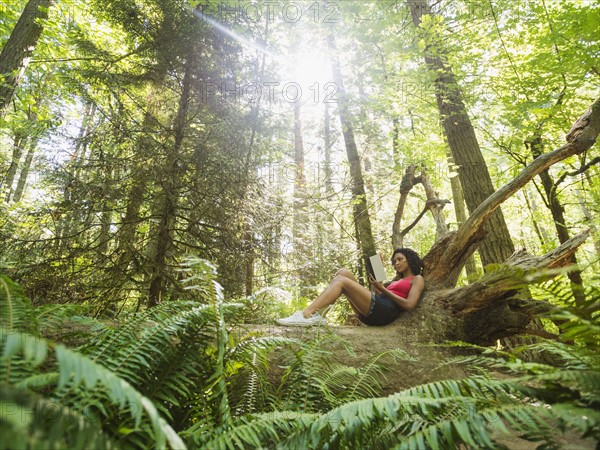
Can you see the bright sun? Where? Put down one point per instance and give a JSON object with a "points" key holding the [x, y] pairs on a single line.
{"points": [[311, 66]]}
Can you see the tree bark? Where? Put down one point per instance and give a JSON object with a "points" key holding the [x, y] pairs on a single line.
{"points": [[81, 143], [502, 283], [396, 140], [558, 215], [299, 166], [361, 212], [169, 196], [32, 146], [539, 229], [26, 139], [18, 49], [433, 203], [461, 213], [301, 221], [491, 306], [19, 141], [408, 181], [590, 220], [474, 176], [327, 172]]}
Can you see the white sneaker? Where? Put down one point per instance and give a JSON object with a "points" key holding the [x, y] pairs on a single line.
{"points": [[298, 320]]}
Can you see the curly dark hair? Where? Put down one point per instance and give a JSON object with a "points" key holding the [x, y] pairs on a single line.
{"points": [[414, 261]]}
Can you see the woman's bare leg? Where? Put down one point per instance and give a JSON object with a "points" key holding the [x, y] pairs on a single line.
{"points": [[343, 283]]}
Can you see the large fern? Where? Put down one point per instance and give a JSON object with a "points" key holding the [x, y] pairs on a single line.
{"points": [[148, 364], [444, 414], [248, 366], [253, 424], [74, 370], [30, 420]]}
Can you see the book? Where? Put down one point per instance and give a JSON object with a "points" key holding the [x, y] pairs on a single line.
{"points": [[377, 269]]}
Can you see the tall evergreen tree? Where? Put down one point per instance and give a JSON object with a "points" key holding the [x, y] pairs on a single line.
{"points": [[473, 171], [17, 51], [362, 219]]}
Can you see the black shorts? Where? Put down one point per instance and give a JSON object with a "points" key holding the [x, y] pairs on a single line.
{"points": [[383, 311]]}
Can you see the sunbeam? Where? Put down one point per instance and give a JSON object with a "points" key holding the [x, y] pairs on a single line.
{"points": [[232, 34]]}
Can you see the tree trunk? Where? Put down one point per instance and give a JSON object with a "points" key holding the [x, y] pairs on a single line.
{"points": [[539, 229], [248, 234], [19, 141], [74, 171], [461, 213], [32, 146], [299, 165], [396, 140], [327, 144], [18, 49], [301, 221], [126, 243], [169, 196], [558, 215], [408, 181], [590, 220], [474, 176], [34, 130], [361, 212], [81, 143], [433, 204]]}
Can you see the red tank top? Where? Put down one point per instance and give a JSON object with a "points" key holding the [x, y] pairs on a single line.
{"points": [[401, 287]]}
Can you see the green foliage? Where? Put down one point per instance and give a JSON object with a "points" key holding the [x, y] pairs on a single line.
{"points": [[32, 378], [507, 395], [90, 231], [179, 367], [15, 311], [265, 305], [310, 384], [33, 421], [126, 380]]}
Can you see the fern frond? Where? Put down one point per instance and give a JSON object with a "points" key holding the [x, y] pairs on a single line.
{"points": [[439, 415], [575, 327], [38, 381], [247, 366], [16, 313], [135, 360], [251, 431], [371, 372], [14, 369], [75, 369], [112, 342], [299, 389], [65, 323], [32, 421]]}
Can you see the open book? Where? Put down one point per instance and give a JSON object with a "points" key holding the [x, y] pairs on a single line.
{"points": [[376, 269]]}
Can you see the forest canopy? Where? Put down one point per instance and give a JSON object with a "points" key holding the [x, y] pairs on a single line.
{"points": [[184, 167]]}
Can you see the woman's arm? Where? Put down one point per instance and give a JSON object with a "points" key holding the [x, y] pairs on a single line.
{"points": [[416, 289]]}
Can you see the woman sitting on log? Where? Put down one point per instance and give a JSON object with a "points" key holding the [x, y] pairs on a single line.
{"points": [[380, 307]]}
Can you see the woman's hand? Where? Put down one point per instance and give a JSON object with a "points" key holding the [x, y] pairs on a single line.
{"points": [[377, 285]]}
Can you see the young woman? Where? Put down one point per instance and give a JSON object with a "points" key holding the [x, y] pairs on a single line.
{"points": [[380, 307]]}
